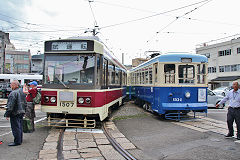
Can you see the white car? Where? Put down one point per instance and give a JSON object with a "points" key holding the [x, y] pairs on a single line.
{"points": [[214, 99], [222, 90]]}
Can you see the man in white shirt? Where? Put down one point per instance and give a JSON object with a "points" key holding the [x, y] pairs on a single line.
{"points": [[233, 97]]}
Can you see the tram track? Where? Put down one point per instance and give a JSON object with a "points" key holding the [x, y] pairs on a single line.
{"points": [[205, 124], [116, 145], [105, 130]]}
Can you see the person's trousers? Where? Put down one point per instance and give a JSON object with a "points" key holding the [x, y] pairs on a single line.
{"points": [[30, 114], [17, 128], [233, 114]]}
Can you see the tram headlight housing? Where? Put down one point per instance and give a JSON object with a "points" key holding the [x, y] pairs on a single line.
{"points": [[88, 100], [53, 99], [46, 99], [80, 100], [187, 94]]}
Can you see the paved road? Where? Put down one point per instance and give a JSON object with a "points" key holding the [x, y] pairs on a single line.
{"points": [[32, 142], [162, 139]]}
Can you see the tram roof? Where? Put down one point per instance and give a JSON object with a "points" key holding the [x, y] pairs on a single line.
{"points": [[173, 57], [106, 52]]}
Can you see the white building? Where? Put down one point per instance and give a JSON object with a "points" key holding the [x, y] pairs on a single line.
{"points": [[224, 62]]}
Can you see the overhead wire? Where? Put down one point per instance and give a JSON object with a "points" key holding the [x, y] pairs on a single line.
{"points": [[177, 18], [153, 15]]}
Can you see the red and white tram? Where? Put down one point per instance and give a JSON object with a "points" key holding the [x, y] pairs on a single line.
{"points": [[81, 79]]}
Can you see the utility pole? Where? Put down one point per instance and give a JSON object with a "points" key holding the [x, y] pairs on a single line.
{"points": [[3, 52]]}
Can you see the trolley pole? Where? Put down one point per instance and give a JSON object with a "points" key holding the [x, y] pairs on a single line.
{"points": [[123, 58]]}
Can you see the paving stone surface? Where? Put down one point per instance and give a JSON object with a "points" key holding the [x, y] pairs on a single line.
{"points": [[68, 148], [127, 145], [48, 156], [118, 135], [86, 140], [49, 151], [86, 150], [83, 145], [122, 140], [70, 143], [84, 136], [52, 138], [90, 154], [102, 141], [99, 135]]}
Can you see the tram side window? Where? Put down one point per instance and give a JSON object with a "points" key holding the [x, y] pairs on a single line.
{"points": [[98, 71], [117, 78], [169, 73], [201, 73], [138, 78], [150, 75], [146, 76], [186, 73], [143, 77], [156, 71], [104, 75]]}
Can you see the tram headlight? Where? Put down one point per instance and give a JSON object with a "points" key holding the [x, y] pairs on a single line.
{"points": [[88, 100], [46, 99], [187, 94], [80, 100], [53, 99]]}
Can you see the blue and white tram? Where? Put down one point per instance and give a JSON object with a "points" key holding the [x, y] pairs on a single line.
{"points": [[171, 84]]}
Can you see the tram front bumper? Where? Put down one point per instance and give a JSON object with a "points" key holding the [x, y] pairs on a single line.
{"points": [[184, 106]]}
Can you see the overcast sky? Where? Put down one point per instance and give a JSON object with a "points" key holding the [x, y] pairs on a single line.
{"points": [[55, 19]]}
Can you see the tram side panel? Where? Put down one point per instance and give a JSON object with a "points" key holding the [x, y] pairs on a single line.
{"points": [[169, 99]]}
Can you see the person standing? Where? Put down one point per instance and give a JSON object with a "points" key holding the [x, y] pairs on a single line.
{"points": [[233, 97], [30, 109], [15, 111]]}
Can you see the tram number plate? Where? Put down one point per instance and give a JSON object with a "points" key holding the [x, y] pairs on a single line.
{"points": [[66, 104], [177, 99]]}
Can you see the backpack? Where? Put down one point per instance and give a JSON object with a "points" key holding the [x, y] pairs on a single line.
{"points": [[37, 99]]}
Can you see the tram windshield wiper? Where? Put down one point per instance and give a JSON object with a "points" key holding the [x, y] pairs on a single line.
{"points": [[61, 82]]}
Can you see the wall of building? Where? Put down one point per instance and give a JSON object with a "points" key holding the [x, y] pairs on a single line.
{"points": [[17, 61], [138, 61], [224, 59], [37, 63]]}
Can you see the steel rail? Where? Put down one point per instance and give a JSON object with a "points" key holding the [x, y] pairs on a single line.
{"points": [[116, 145]]}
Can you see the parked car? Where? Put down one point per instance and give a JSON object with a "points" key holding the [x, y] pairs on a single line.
{"points": [[222, 90], [214, 99]]}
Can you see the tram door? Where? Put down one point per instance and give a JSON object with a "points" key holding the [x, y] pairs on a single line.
{"points": [[155, 71], [105, 79]]}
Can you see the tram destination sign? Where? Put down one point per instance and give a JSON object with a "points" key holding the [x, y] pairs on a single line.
{"points": [[69, 45]]}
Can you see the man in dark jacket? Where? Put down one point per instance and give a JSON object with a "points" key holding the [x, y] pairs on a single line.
{"points": [[15, 111]]}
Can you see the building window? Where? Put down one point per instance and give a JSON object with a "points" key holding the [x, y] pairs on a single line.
{"points": [[221, 68], [25, 57], [238, 67], [224, 52], [227, 68], [238, 50], [8, 56], [212, 69], [209, 69], [233, 68]]}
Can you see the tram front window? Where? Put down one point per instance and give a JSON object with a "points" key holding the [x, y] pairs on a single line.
{"points": [[186, 73], [69, 69]]}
